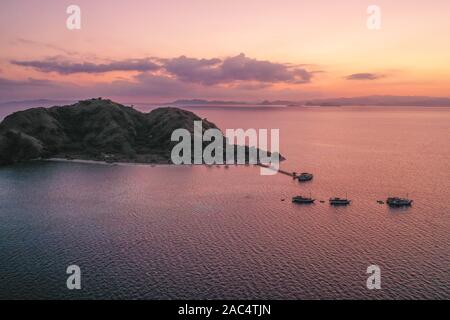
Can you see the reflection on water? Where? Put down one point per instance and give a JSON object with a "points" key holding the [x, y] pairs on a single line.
{"points": [[212, 232]]}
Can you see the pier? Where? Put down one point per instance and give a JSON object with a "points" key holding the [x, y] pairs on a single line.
{"points": [[291, 174]]}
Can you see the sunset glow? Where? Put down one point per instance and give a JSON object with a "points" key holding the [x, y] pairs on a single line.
{"points": [[151, 51]]}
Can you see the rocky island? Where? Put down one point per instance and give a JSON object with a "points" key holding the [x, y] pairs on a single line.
{"points": [[94, 129]]}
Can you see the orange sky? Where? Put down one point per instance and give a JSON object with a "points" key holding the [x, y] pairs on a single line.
{"points": [[292, 49]]}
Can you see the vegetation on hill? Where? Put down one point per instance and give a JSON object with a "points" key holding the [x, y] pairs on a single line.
{"points": [[95, 129]]}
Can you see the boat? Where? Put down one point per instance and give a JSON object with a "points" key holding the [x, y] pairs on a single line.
{"points": [[339, 201], [305, 176], [303, 200], [399, 202]]}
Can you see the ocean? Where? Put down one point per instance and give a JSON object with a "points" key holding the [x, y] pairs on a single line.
{"points": [[215, 232]]}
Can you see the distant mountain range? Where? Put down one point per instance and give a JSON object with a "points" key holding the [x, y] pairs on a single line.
{"points": [[382, 101], [202, 102], [205, 102], [376, 100]]}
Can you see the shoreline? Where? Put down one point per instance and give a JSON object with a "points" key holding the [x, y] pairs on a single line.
{"points": [[115, 163], [145, 164], [125, 163]]}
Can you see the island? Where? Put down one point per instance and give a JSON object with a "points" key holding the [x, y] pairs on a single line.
{"points": [[95, 129]]}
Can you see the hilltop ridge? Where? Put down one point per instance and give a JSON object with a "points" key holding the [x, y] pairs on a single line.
{"points": [[95, 129]]}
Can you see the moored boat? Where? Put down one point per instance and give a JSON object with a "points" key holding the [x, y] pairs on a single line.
{"points": [[399, 202], [305, 176], [303, 200], [339, 201]]}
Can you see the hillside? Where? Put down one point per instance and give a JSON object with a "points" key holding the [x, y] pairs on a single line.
{"points": [[94, 129]]}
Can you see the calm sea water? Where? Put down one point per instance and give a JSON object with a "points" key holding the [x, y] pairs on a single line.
{"points": [[199, 232]]}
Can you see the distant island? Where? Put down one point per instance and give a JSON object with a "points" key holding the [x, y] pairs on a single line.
{"points": [[200, 102], [380, 100], [375, 100], [95, 129]]}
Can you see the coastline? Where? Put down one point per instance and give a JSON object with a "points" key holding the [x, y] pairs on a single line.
{"points": [[116, 163], [125, 163], [145, 164]]}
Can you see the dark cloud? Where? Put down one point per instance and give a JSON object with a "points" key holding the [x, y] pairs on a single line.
{"points": [[144, 87], [65, 67], [205, 71], [160, 79], [201, 71], [364, 76], [238, 68], [244, 68]]}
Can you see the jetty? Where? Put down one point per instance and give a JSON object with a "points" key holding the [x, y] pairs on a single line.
{"points": [[291, 174]]}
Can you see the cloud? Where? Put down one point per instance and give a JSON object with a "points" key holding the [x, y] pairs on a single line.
{"points": [[65, 67], [207, 72], [158, 79], [232, 69], [144, 87], [244, 68], [364, 76]]}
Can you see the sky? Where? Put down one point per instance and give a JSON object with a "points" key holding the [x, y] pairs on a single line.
{"points": [[244, 50]]}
